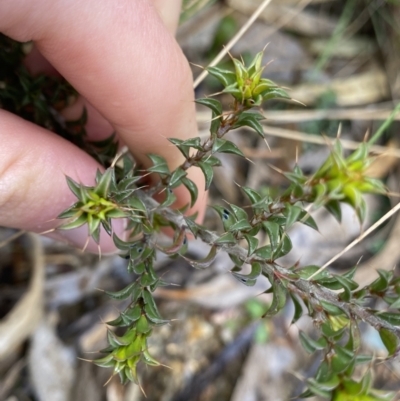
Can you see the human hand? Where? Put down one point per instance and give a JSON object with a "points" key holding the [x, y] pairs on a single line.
{"points": [[123, 59]]}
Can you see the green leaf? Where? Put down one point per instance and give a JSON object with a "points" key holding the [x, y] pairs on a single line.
{"points": [[390, 341], [133, 313], [192, 225], [319, 192], [350, 274], [207, 171], [292, 214], [78, 222], [226, 239], [104, 183], [74, 187], [240, 213], [333, 207], [331, 308], [329, 332], [169, 199], [280, 294], [105, 362], [213, 161], [70, 212], [354, 342], [242, 225], [382, 282], [307, 271], [151, 308], [324, 372], [227, 216], [276, 93], [352, 387], [193, 143], [306, 219], [273, 231], [298, 308], [342, 359], [205, 262], [328, 385], [120, 244], [159, 165], [226, 77], [180, 240], [253, 195], [216, 109], [311, 345], [391, 317], [131, 289], [185, 150], [115, 214], [284, 247], [348, 285], [192, 188], [252, 244], [251, 120], [118, 322], [360, 154], [94, 230], [176, 177], [224, 146], [264, 252], [251, 278], [137, 250], [237, 261]]}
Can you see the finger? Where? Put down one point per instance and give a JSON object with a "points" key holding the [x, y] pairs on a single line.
{"points": [[97, 126], [169, 12], [33, 189], [122, 59]]}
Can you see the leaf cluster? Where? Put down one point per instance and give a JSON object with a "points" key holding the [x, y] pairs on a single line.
{"points": [[335, 303]]}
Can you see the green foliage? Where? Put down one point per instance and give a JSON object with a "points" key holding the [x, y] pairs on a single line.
{"points": [[335, 303]]}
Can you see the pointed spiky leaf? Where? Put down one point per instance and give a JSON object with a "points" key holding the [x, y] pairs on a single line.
{"points": [[252, 244], [208, 172], [205, 262], [226, 77], [216, 109], [192, 188], [224, 146], [251, 120], [251, 278]]}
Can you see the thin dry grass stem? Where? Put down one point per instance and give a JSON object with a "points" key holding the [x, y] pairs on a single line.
{"points": [[86, 244], [393, 194], [266, 142], [99, 251], [278, 170], [123, 151], [366, 136], [380, 112], [392, 371], [11, 238], [309, 138], [339, 131], [233, 41], [47, 231], [390, 213]]}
